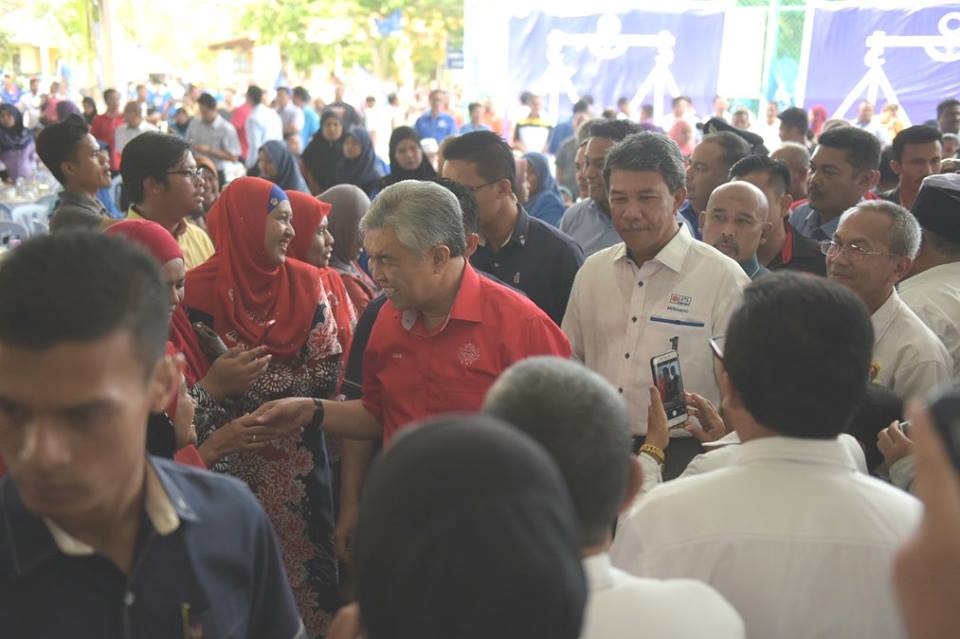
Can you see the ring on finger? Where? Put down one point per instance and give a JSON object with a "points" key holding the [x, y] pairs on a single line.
{"points": [[254, 438]]}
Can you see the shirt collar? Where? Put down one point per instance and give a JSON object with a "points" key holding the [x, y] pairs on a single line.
{"points": [[819, 452], [599, 572], [519, 233], [672, 255], [751, 267], [82, 199], [157, 504], [883, 317], [179, 229], [467, 306]]}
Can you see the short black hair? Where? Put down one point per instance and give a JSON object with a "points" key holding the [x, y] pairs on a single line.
{"points": [[301, 94], [918, 134], [581, 421], [734, 147], [57, 143], [623, 100], [795, 118], [150, 154], [778, 173], [886, 171], [823, 330], [488, 151], [581, 106], [680, 98], [949, 103], [284, 89], [863, 148], [104, 284], [468, 203], [108, 93], [647, 152], [615, 130], [876, 410], [207, 100], [472, 106], [255, 94]]}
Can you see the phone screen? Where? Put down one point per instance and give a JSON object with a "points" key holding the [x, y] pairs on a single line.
{"points": [[670, 384]]}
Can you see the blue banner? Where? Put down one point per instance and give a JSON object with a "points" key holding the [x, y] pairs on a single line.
{"points": [[915, 56], [613, 55]]}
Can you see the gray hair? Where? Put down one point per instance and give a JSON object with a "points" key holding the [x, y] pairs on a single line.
{"points": [[581, 421], [648, 152], [904, 235], [422, 214]]}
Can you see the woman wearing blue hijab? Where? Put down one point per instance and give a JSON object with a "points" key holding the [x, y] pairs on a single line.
{"points": [[545, 201], [278, 165], [358, 166]]}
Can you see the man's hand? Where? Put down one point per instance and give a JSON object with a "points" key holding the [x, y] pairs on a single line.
{"points": [[657, 432], [893, 444], [926, 572], [202, 148], [711, 426], [346, 625], [286, 415], [343, 532]]}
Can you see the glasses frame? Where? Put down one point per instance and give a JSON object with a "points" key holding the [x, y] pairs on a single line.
{"points": [[196, 174], [474, 189], [855, 252]]}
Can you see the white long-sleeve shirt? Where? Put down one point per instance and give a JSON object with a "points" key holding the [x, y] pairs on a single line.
{"points": [[262, 126]]}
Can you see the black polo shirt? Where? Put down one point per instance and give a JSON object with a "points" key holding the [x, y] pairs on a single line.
{"points": [[799, 254], [539, 260]]}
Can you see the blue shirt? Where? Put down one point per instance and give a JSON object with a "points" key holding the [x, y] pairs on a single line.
{"points": [[560, 134], [437, 128], [690, 219], [537, 259], [311, 124], [807, 221], [589, 227], [753, 268], [469, 127], [215, 567]]}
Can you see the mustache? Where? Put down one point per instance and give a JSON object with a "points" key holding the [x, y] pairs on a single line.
{"points": [[727, 242]]}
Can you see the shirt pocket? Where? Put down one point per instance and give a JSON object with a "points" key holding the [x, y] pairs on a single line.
{"points": [[666, 332]]}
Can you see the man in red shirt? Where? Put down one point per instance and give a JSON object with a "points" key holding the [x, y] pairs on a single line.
{"points": [[104, 126], [445, 334]]}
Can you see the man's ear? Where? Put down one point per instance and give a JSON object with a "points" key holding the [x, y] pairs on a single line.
{"points": [[164, 382], [439, 256]]}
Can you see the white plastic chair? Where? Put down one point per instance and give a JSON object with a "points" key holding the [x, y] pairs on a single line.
{"points": [[33, 217]]}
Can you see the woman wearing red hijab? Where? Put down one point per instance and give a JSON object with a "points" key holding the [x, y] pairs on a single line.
{"points": [[206, 385], [251, 295], [313, 244]]}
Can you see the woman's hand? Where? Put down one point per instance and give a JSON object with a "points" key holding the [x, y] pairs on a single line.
{"points": [[241, 435], [233, 372], [184, 430]]}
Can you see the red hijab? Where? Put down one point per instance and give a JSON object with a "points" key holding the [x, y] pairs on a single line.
{"points": [[253, 302], [164, 248], [308, 214]]}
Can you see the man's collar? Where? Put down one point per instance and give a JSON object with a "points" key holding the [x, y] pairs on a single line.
{"points": [[467, 305], [134, 214], [81, 198], [815, 452], [672, 255], [884, 316], [519, 233], [751, 267]]}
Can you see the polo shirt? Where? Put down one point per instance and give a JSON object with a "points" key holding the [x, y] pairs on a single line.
{"points": [[469, 127], [807, 221], [124, 134], [77, 211], [291, 117], [622, 314], [409, 375], [753, 268], [104, 127], [589, 227], [908, 358], [538, 259], [218, 135], [893, 195], [196, 245], [206, 558], [934, 295], [533, 133], [790, 533], [311, 124], [799, 253], [619, 605], [437, 128]]}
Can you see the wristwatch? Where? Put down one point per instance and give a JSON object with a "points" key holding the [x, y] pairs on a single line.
{"points": [[318, 411]]}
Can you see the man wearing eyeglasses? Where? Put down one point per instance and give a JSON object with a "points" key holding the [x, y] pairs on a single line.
{"points": [[162, 183], [872, 249], [522, 251]]}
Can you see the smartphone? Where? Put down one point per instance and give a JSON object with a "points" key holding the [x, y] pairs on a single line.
{"points": [[945, 409], [668, 380]]}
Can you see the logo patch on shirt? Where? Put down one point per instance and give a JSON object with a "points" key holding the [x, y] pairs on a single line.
{"points": [[468, 354], [680, 300]]}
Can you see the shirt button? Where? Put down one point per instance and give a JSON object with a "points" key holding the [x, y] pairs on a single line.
{"points": [[620, 390], [634, 319], [496, 265], [129, 598], [626, 355], [640, 284]]}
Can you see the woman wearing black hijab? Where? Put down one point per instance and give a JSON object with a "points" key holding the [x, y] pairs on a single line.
{"points": [[466, 531], [358, 162], [407, 160], [323, 153]]}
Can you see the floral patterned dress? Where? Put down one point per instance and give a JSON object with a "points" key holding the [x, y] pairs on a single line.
{"points": [[292, 477]]}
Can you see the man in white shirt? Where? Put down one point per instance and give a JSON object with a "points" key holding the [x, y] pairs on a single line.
{"points": [[581, 421], [933, 289], [134, 125], [291, 116], [658, 290], [262, 126], [873, 249], [213, 136], [799, 542]]}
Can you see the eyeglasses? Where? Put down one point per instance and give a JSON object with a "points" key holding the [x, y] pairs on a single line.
{"points": [[474, 189], [196, 174], [716, 343], [853, 251]]}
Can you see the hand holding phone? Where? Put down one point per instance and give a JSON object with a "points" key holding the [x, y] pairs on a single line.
{"points": [[665, 369]]}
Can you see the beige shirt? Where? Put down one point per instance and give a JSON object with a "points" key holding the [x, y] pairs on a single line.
{"points": [[934, 296], [908, 358], [621, 315]]}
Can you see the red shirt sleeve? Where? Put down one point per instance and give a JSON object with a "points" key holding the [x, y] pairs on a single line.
{"points": [[190, 456], [372, 389], [542, 337]]}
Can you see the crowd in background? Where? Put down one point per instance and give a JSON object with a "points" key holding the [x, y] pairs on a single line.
{"points": [[424, 340]]}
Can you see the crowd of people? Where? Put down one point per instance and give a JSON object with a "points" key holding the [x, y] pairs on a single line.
{"points": [[413, 395]]}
